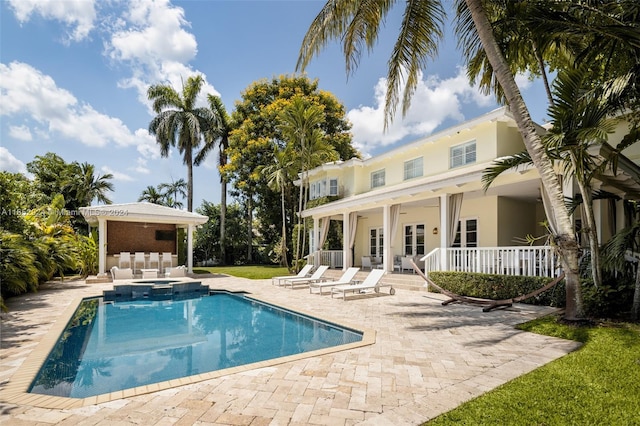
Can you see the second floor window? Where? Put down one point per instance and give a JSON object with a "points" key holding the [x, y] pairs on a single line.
{"points": [[461, 155], [323, 188], [333, 187], [413, 168], [377, 178]]}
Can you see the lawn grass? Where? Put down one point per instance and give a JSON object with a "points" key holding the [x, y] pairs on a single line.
{"points": [[599, 384], [253, 272]]}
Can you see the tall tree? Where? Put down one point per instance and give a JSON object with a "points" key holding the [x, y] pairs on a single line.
{"points": [[151, 195], [92, 186], [173, 190], [277, 178], [218, 136], [300, 126], [180, 123], [256, 127]]}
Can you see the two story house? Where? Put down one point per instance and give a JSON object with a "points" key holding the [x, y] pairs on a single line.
{"points": [[425, 201]]}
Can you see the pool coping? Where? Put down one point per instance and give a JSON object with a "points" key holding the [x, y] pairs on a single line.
{"points": [[16, 389]]}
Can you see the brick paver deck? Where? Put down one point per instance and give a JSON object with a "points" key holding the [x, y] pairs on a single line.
{"points": [[426, 360]]}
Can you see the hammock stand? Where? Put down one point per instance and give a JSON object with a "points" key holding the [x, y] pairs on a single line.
{"points": [[488, 304]]}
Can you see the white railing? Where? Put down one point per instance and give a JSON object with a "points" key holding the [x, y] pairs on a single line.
{"points": [[519, 260], [331, 258]]}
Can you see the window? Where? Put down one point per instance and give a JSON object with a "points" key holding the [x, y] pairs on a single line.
{"points": [[376, 240], [377, 178], [414, 240], [319, 188], [413, 168], [467, 233], [464, 154], [333, 187]]}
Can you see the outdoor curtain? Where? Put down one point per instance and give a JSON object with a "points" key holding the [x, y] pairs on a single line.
{"points": [[324, 230], [395, 218], [353, 223], [455, 205]]}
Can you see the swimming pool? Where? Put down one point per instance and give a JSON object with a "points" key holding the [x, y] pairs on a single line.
{"points": [[108, 347]]}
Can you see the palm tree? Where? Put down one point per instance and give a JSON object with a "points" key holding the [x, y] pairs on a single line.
{"points": [[218, 135], [92, 186], [581, 117], [300, 126], [357, 24], [152, 195], [173, 190], [278, 180], [180, 123]]}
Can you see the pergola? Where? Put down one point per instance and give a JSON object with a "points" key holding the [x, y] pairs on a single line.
{"points": [[143, 227]]}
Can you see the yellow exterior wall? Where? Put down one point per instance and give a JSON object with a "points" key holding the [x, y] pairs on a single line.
{"points": [[516, 220]]}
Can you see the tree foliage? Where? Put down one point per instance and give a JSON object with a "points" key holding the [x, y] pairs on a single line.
{"points": [[258, 131]]}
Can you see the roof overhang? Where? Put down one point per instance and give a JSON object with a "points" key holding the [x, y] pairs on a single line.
{"points": [[141, 212], [624, 180]]}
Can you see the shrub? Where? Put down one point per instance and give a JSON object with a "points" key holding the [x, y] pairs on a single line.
{"points": [[490, 286]]}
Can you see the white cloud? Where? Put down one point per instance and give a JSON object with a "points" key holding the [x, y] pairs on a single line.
{"points": [[27, 91], [79, 15], [151, 38], [22, 133], [9, 163], [433, 101], [146, 145], [117, 176], [141, 166]]}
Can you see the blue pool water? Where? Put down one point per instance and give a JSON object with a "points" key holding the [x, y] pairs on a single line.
{"points": [[115, 346]]}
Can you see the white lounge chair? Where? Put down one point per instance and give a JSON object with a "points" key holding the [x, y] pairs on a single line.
{"points": [[118, 274], [372, 282], [346, 278], [178, 271], [304, 272], [317, 276]]}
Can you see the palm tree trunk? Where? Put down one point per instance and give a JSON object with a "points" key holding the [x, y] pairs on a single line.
{"points": [[223, 220], [301, 194], [565, 238], [283, 248], [543, 73], [189, 183], [592, 235], [249, 227]]}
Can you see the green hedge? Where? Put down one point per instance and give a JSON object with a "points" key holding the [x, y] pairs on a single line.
{"points": [[489, 286]]}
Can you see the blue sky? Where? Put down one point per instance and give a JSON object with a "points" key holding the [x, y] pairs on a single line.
{"points": [[74, 74]]}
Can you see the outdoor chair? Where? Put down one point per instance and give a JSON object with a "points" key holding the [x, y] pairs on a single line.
{"points": [[125, 260], [138, 259]]}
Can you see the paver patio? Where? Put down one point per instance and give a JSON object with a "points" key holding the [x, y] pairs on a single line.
{"points": [[427, 359]]}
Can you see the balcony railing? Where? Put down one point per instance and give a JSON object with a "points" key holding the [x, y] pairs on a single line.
{"points": [[331, 258], [532, 261]]}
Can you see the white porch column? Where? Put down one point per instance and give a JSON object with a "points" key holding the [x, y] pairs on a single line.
{"points": [[387, 256], [190, 230], [346, 249], [102, 246], [444, 230], [316, 234]]}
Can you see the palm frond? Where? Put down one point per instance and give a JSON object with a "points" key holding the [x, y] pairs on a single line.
{"points": [[501, 165], [420, 32]]}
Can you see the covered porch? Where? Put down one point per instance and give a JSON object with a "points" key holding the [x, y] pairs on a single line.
{"points": [[143, 228]]}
